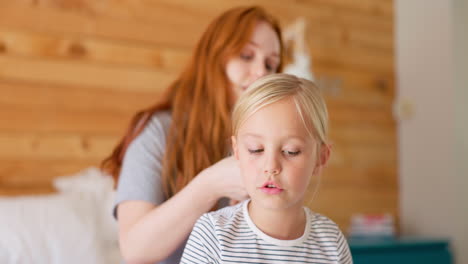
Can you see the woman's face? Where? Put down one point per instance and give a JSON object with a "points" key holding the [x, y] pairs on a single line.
{"points": [[259, 57]]}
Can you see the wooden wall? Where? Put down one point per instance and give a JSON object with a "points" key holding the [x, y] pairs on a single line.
{"points": [[72, 72]]}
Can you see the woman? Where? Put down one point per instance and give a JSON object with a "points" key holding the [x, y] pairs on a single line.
{"points": [[171, 163]]}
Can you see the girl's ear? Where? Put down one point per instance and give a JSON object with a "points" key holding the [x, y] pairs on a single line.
{"points": [[322, 158], [234, 147], [325, 151]]}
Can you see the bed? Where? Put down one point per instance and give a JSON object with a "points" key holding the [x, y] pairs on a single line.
{"points": [[72, 225]]}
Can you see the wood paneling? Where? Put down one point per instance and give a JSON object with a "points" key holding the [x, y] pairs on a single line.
{"points": [[84, 22], [34, 176], [74, 98], [54, 146], [92, 50], [72, 73], [83, 74]]}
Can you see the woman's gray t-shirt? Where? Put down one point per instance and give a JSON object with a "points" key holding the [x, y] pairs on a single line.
{"points": [[140, 176]]}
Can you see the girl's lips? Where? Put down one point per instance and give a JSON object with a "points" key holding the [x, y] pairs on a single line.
{"points": [[271, 187], [271, 184], [271, 190]]}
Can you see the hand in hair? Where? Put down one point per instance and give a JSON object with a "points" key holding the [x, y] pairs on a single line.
{"points": [[225, 179]]}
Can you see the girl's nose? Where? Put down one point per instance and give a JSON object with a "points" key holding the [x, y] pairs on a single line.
{"points": [[272, 165], [272, 172]]}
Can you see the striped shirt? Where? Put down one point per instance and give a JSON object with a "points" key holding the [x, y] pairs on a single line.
{"points": [[229, 236]]}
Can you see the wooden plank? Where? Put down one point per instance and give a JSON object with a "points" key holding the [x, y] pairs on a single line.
{"points": [[318, 12], [46, 45], [283, 12], [24, 172], [19, 119], [357, 38], [358, 201], [363, 134], [164, 33], [22, 191], [358, 80], [55, 146], [348, 98], [370, 40], [353, 48], [371, 176], [342, 114], [350, 200], [130, 10], [380, 8], [361, 156], [34, 177], [82, 74], [38, 97], [349, 86], [370, 22], [352, 58]]}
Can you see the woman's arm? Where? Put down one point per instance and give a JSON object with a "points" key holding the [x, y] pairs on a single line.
{"points": [[151, 233]]}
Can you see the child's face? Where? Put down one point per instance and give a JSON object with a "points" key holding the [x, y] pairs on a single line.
{"points": [[277, 156]]}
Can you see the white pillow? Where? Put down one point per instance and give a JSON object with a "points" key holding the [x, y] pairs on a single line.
{"points": [[72, 226], [93, 184]]}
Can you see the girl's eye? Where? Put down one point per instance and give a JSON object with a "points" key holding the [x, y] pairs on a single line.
{"points": [[292, 153], [255, 151]]}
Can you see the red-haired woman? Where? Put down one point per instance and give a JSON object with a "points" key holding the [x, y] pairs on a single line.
{"points": [[172, 164]]}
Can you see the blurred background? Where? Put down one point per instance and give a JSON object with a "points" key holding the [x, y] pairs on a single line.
{"points": [[394, 73]]}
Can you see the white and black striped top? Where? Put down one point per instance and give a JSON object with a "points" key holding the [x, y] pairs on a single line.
{"points": [[229, 236]]}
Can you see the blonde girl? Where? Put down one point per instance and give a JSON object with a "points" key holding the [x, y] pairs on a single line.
{"points": [[280, 142]]}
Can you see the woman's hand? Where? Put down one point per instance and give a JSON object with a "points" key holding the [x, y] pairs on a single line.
{"points": [[225, 180]]}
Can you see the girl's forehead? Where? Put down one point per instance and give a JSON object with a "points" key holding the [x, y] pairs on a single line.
{"points": [[280, 119]]}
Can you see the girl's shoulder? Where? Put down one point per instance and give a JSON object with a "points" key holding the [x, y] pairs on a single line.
{"points": [[318, 219], [322, 226], [226, 216]]}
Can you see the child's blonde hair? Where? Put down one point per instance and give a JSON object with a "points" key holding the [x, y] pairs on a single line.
{"points": [[309, 102]]}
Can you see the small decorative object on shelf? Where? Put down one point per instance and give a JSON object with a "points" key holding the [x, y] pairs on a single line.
{"points": [[375, 225]]}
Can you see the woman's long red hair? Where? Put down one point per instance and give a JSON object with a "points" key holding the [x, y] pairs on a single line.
{"points": [[199, 102]]}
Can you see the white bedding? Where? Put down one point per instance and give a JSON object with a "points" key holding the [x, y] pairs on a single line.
{"points": [[72, 226]]}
